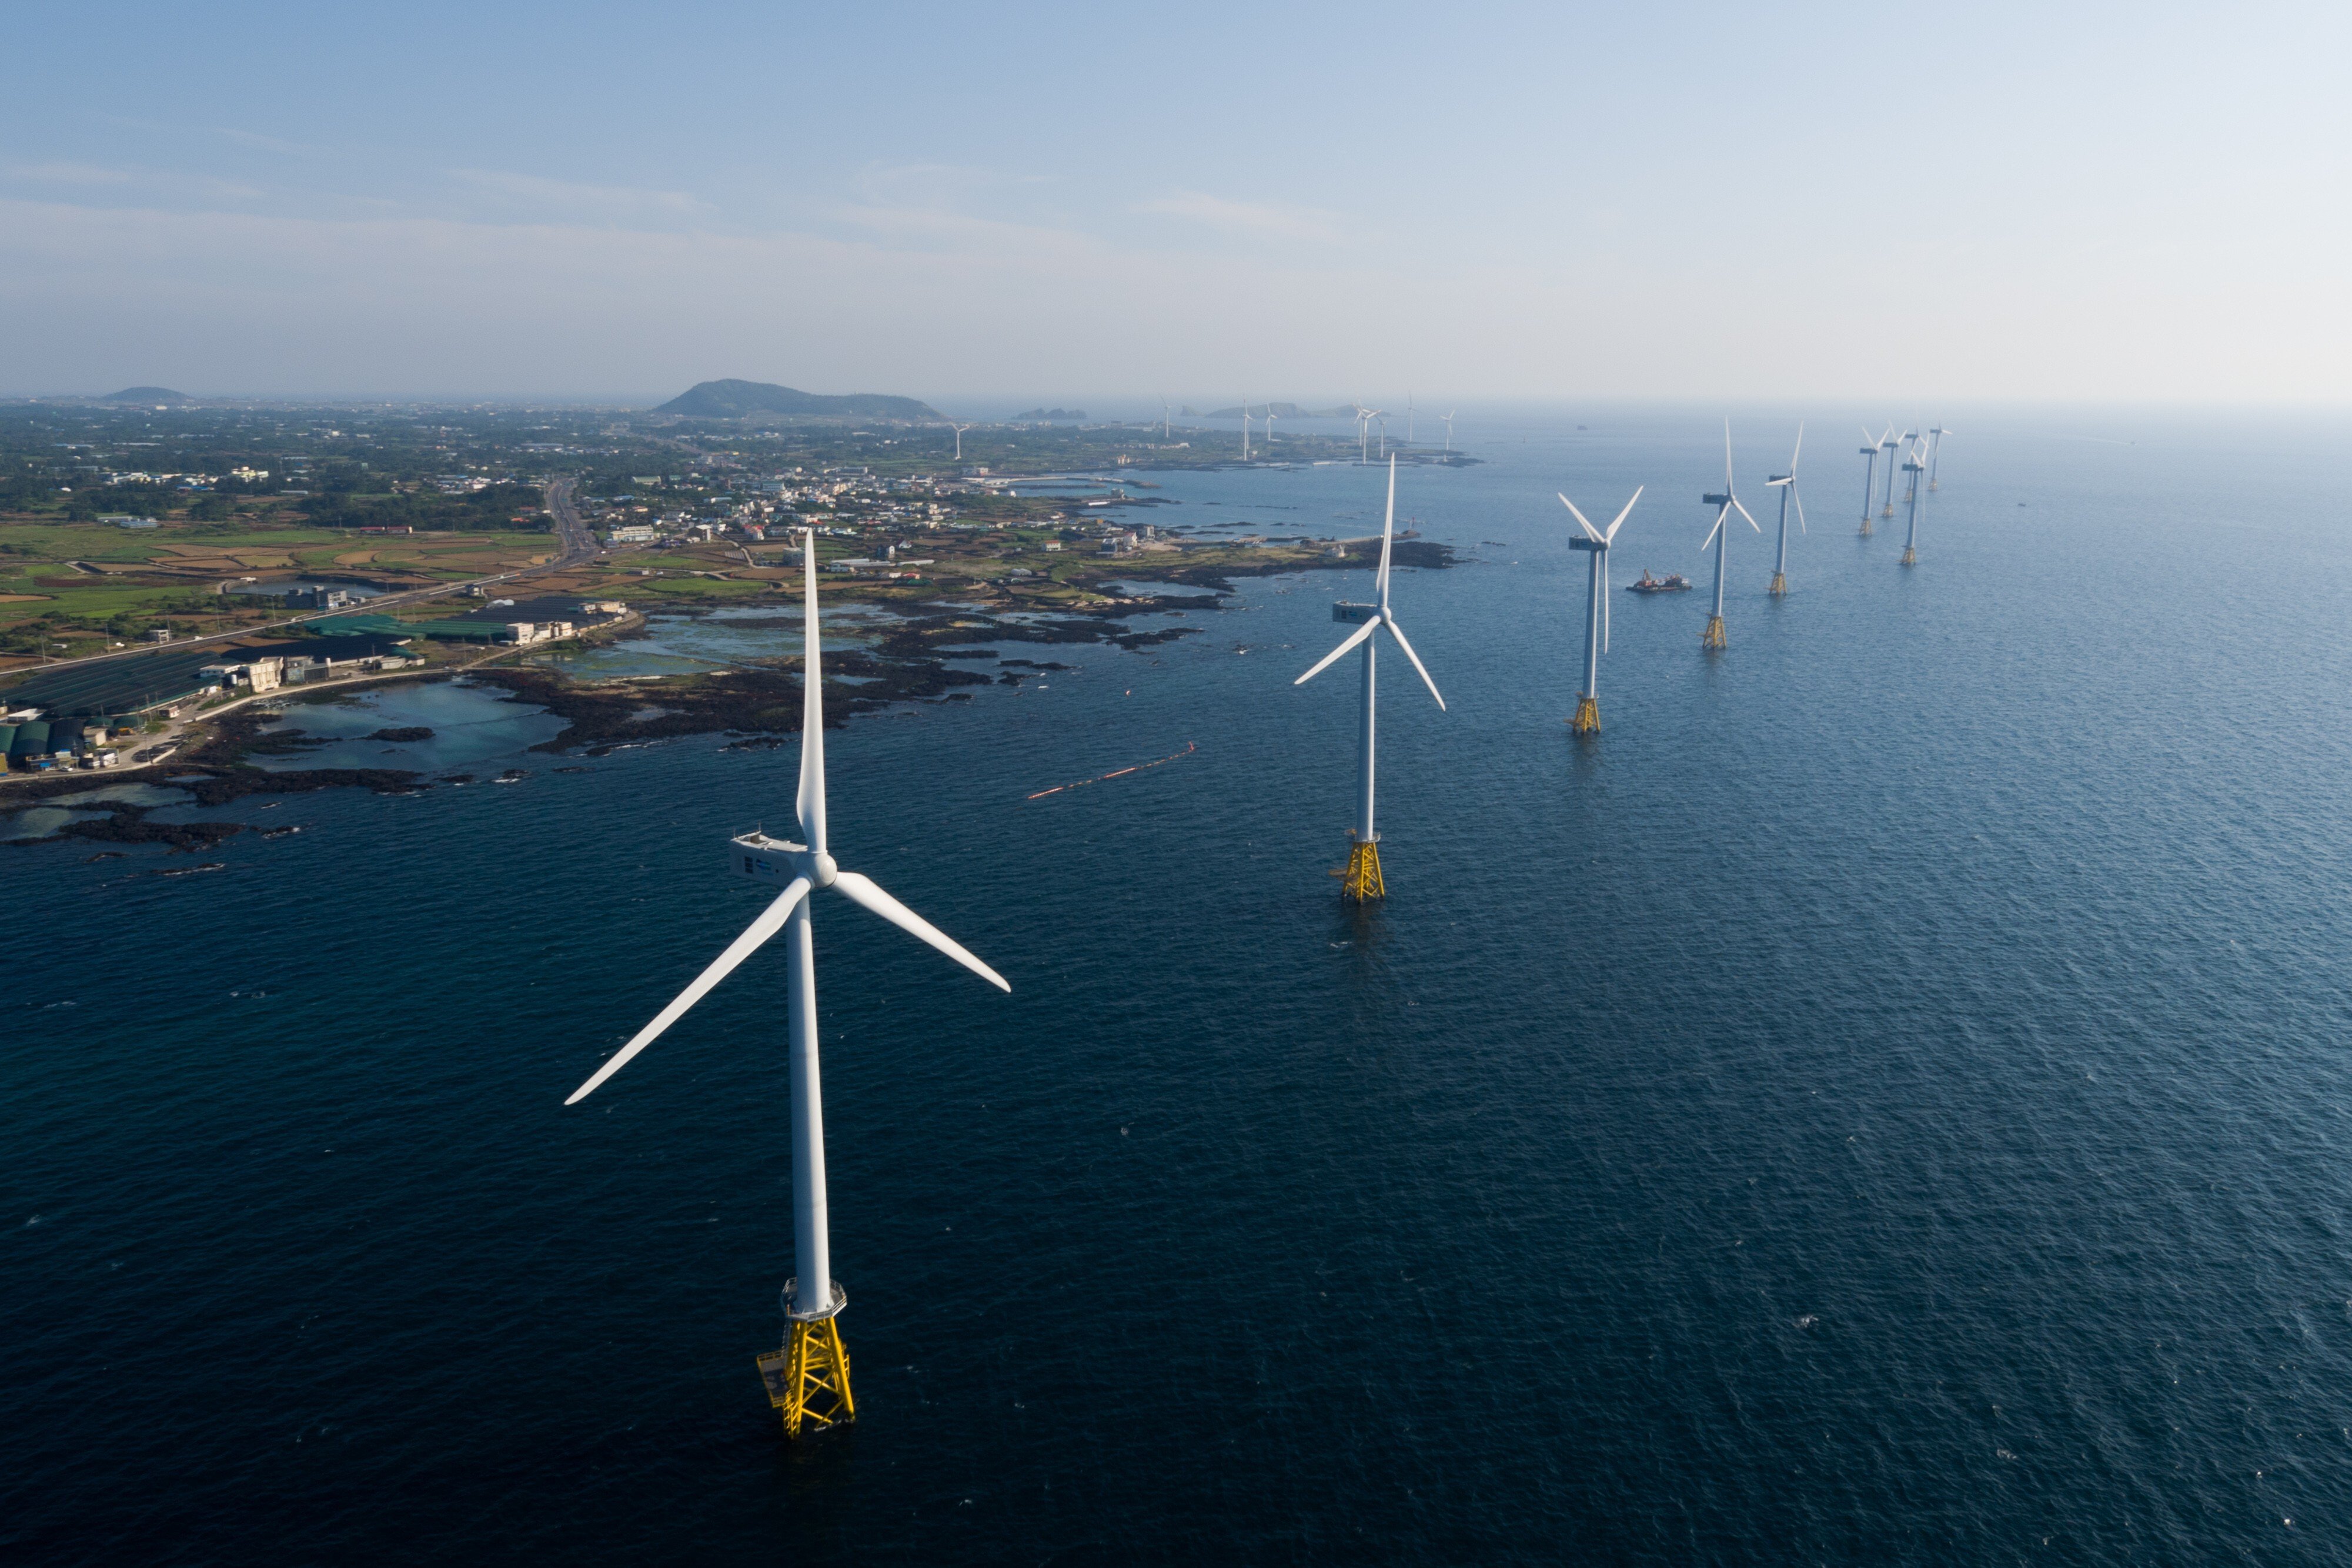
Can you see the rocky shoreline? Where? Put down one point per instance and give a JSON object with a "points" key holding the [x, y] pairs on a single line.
{"points": [[757, 702]]}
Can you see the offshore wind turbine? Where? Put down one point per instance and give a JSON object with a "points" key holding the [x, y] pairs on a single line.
{"points": [[1361, 882], [1869, 474], [1364, 417], [1408, 419], [1269, 427], [1596, 611], [1166, 422], [1911, 439], [1913, 467], [1718, 535], [1889, 442], [1244, 427], [808, 1379], [1448, 418], [1787, 484], [1934, 448]]}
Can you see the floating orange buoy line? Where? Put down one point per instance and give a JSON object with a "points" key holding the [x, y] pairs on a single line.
{"points": [[1190, 747]]}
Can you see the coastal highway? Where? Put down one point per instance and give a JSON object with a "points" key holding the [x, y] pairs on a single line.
{"points": [[574, 546]]}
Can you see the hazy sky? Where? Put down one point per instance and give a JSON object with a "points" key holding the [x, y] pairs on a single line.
{"points": [[967, 201]]}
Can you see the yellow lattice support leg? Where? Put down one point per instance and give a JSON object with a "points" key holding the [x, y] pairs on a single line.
{"points": [[808, 1379], [1780, 584], [1588, 716], [1910, 556], [1362, 884], [1714, 635], [1865, 523]]}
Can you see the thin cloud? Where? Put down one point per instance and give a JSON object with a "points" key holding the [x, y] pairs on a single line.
{"points": [[609, 200], [1260, 218], [70, 173], [254, 138]]}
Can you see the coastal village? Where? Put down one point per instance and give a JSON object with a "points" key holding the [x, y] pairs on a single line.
{"points": [[128, 632]]}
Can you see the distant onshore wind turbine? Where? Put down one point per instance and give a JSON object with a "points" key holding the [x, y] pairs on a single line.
{"points": [[808, 1379], [1596, 611], [1362, 883], [1787, 484], [1718, 535], [959, 430]]}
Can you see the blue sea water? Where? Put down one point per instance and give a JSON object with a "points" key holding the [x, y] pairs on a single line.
{"points": [[1885, 1099]]}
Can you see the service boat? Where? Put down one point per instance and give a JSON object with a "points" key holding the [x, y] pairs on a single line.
{"points": [[1673, 583]]}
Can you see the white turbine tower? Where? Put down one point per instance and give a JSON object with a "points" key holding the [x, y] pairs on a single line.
{"points": [[1362, 881], [1718, 537], [1167, 424], [1889, 443], [1911, 440], [1408, 419], [1934, 449], [1244, 427], [1869, 474], [959, 430], [1596, 611], [1787, 484], [808, 1379], [1448, 418], [1915, 468]]}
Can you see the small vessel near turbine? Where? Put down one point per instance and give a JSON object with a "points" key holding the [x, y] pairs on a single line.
{"points": [[1596, 544], [1361, 883], [1718, 535], [1787, 484], [808, 1378]]}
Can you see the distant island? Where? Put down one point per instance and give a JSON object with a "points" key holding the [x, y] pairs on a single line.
{"points": [[1052, 413], [737, 400], [146, 394]]}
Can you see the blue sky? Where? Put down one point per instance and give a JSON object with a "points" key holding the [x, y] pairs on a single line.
{"points": [[2003, 202]]}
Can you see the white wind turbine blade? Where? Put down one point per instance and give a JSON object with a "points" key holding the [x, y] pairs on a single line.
{"points": [[1721, 512], [1743, 512], [1589, 531], [1868, 439], [1388, 528], [865, 892], [1611, 537], [1801, 506], [1727, 455], [810, 804], [771, 920], [1366, 630], [1801, 447], [1398, 632]]}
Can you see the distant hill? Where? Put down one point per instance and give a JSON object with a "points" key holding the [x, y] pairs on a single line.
{"points": [[146, 394], [735, 400], [1052, 413]]}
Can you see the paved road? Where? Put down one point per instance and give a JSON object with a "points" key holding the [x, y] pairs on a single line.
{"points": [[575, 546]]}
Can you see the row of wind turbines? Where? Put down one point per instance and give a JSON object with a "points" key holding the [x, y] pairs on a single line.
{"points": [[1361, 882], [807, 1378]]}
